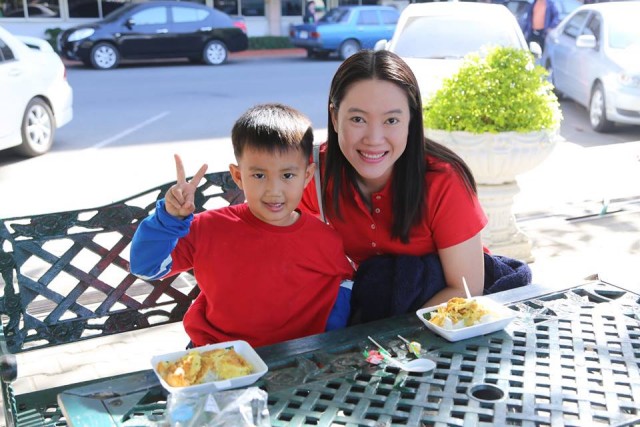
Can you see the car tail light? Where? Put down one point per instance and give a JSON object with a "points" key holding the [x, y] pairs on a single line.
{"points": [[241, 25], [314, 35], [292, 32]]}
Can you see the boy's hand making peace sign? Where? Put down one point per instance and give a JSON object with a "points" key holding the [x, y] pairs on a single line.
{"points": [[179, 199]]}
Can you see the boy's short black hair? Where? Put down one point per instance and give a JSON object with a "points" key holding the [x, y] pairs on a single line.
{"points": [[272, 128]]}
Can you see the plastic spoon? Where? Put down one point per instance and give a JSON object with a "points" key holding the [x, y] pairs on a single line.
{"points": [[416, 365], [466, 288]]}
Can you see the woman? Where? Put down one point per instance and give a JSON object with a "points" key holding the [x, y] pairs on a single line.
{"points": [[386, 188]]}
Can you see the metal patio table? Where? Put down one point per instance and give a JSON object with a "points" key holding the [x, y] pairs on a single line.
{"points": [[570, 358]]}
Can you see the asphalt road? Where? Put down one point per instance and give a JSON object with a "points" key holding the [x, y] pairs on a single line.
{"points": [[130, 121]]}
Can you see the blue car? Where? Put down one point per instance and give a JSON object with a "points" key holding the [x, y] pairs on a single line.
{"points": [[345, 30]]}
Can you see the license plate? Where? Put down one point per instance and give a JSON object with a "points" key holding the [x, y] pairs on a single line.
{"points": [[303, 35]]}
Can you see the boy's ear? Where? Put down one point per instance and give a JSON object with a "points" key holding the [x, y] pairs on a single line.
{"points": [[308, 173], [236, 175]]}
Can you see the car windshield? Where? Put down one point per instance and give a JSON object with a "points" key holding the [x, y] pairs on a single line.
{"points": [[446, 37], [623, 32], [335, 16]]}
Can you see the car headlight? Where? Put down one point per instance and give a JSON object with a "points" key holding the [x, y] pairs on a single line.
{"points": [[81, 34], [630, 80]]}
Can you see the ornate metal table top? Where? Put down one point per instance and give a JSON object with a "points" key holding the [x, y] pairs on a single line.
{"points": [[571, 358]]}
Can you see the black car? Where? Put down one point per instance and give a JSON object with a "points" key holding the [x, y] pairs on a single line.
{"points": [[159, 29]]}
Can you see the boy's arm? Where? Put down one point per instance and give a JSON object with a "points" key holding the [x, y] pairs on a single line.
{"points": [[341, 311], [154, 240]]}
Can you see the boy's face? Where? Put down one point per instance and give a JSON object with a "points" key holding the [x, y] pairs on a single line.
{"points": [[273, 183]]}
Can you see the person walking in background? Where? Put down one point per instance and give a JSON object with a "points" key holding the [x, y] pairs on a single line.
{"points": [[309, 16], [541, 16]]}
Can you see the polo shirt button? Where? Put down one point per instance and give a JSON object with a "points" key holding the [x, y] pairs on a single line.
{"points": [[378, 197], [373, 226], [373, 244], [377, 210]]}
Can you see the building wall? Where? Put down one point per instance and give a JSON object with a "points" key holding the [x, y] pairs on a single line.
{"points": [[273, 23]]}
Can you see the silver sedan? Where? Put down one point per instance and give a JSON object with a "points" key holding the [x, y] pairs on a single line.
{"points": [[593, 57]]}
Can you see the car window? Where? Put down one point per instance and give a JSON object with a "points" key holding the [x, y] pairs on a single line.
{"points": [[574, 25], [450, 38], [336, 16], [151, 16], [593, 27], [6, 54], [389, 17], [188, 14], [623, 32], [368, 17]]}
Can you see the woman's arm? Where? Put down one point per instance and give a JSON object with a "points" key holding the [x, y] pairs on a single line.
{"points": [[466, 260]]}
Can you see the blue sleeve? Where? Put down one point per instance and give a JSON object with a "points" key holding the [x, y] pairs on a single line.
{"points": [[341, 310], [153, 241]]}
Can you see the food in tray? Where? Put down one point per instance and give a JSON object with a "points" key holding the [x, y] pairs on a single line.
{"points": [[459, 313], [197, 368]]}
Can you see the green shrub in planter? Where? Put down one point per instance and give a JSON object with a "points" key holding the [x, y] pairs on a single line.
{"points": [[500, 92]]}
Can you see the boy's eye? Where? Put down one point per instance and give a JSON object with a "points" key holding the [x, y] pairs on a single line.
{"points": [[258, 175], [289, 175]]}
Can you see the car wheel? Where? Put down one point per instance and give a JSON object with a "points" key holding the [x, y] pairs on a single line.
{"points": [[215, 53], [348, 48], [38, 128], [104, 56], [598, 110]]}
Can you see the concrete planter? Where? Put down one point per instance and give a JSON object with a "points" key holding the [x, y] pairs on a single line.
{"points": [[496, 160]]}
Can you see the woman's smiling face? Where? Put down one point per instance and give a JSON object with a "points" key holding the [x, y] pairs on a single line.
{"points": [[372, 123]]}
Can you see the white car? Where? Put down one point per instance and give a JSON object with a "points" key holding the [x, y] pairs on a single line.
{"points": [[36, 97], [433, 38], [593, 57]]}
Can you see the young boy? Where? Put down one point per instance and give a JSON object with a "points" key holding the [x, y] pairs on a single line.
{"points": [[267, 272]]}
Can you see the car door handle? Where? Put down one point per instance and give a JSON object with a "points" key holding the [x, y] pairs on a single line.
{"points": [[205, 29], [15, 72], [162, 31]]}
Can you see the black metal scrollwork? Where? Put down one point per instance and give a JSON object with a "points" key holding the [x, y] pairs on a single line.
{"points": [[122, 322], [51, 225], [114, 216]]}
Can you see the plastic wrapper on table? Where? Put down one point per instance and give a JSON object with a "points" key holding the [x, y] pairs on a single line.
{"points": [[241, 408]]}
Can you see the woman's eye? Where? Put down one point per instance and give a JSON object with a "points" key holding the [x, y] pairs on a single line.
{"points": [[393, 121], [357, 119]]}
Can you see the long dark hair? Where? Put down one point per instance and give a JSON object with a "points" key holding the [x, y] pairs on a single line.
{"points": [[408, 186]]}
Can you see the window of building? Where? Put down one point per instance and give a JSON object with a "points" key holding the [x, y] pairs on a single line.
{"points": [[93, 8], [34, 9], [227, 6], [292, 7], [252, 7]]}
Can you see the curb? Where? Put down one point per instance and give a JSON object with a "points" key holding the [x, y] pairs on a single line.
{"points": [[272, 53], [245, 54]]}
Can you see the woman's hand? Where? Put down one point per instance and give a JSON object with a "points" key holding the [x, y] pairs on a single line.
{"points": [[466, 260], [179, 199]]}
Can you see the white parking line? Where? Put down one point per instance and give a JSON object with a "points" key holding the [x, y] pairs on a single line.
{"points": [[127, 132]]}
